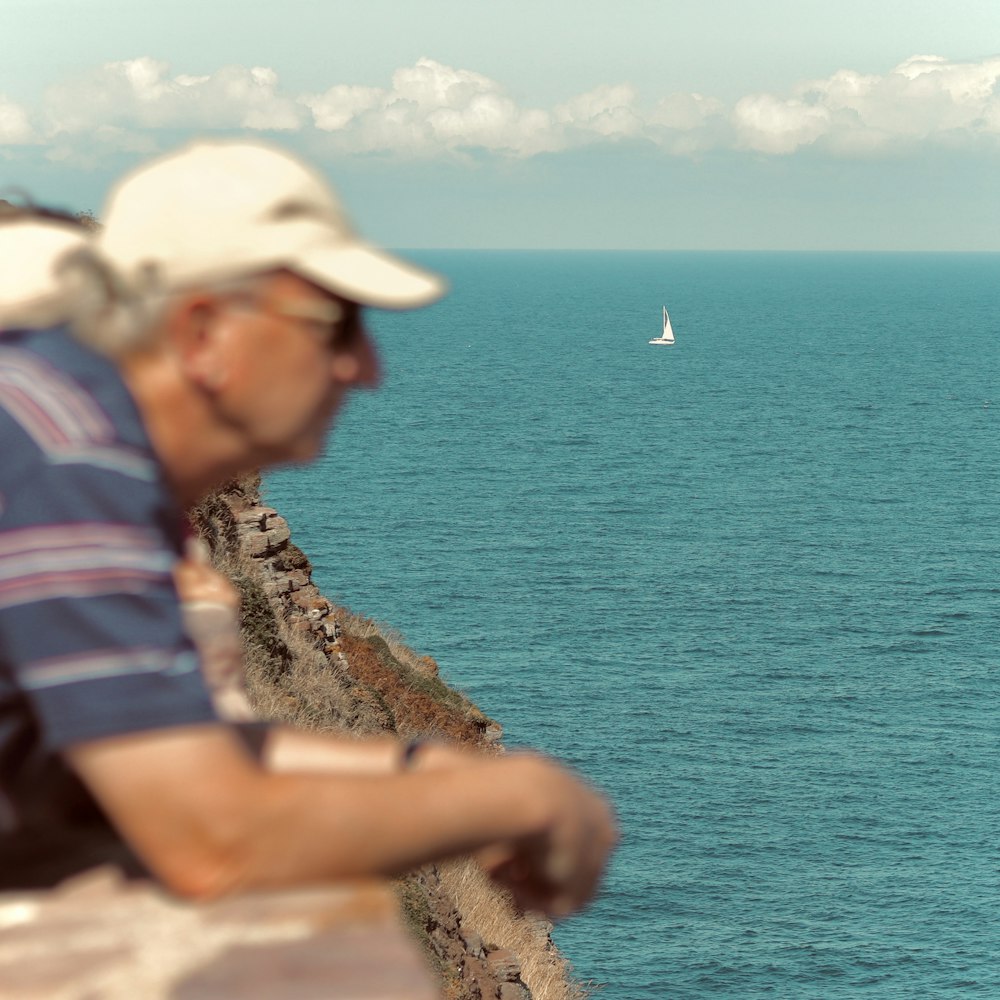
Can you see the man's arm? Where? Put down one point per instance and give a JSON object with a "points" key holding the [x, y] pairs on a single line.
{"points": [[209, 821], [287, 750]]}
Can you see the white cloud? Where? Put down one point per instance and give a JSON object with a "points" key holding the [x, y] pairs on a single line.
{"points": [[686, 112], [768, 124], [140, 94], [925, 99], [341, 105], [964, 82], [689, 124], [607, 111], [430, 109], [15, 126]]}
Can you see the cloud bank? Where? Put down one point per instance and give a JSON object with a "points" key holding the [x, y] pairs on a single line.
{"points": [[433, 110]]}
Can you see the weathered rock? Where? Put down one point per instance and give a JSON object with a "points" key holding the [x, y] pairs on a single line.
{"points": [[513, 991], [505, 965], [474, 945]]}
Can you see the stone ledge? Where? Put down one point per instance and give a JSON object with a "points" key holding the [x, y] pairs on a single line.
{"points": [[100, 938]]}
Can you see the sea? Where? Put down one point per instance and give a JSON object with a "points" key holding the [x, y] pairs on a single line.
{"points": [[748, 584]]}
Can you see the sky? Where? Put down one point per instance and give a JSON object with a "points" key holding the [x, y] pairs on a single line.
{"points": [[581, 124]]}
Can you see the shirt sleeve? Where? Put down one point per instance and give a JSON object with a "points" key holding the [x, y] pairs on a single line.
{"points": [[90, 623]]}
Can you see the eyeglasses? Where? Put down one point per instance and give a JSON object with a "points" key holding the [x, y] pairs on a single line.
{"points": [[337, 324]]}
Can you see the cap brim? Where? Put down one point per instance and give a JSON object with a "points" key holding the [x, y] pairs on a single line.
{"points": [[369, 276]]}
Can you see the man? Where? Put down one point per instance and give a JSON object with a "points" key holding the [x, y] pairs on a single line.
{"points": [[218, 329]]}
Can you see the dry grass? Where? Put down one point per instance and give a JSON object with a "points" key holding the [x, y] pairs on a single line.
{"points": [[414, 708], [488, 911], [420, 703], [366, 628], [311, 694]]}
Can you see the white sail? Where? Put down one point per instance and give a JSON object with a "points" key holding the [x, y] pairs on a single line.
{"points": [[668, 330], [667, 337]]}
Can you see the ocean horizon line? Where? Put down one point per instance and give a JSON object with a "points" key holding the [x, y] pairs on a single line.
{"points": [[651, 250]]}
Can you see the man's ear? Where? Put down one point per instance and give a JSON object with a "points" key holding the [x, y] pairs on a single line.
{"points": [[193, 331]]}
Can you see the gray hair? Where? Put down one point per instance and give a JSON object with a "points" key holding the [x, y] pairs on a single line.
{"points": [[101, 311], [116, 319]]}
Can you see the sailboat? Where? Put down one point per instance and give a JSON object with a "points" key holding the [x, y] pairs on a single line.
{"points": [[668, 330]]}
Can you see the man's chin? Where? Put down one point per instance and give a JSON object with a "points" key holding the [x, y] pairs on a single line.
{"points": [[305, 447], [302, 453]]}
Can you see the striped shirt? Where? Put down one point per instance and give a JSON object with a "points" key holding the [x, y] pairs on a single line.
{"points": [[91, 641]]}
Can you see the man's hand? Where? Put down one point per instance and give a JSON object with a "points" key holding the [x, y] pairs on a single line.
{"points": [[197, 581], [558, 869], [210, 606]]}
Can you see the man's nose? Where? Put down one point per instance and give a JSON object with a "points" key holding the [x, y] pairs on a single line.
{"points": [[370, 376], [360, 365]]}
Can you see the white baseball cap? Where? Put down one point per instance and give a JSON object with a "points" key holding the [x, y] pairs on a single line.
{"points": [[32, 254], [216, 210]]}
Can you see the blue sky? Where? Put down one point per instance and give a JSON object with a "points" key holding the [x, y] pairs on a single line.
{"points": [[784, 124]]}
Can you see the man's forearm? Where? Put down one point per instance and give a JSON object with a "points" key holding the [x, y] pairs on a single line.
{"points": [[209, 821], [309, 827], [287, 750]]}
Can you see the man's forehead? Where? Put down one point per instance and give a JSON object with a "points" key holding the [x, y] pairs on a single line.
{"points": [[288, 282]]}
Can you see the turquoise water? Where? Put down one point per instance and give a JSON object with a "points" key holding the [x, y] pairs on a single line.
{"points": [[748, 584]]}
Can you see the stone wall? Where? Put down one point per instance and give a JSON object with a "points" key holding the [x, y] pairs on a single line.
{"points": [[99, 938]]}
